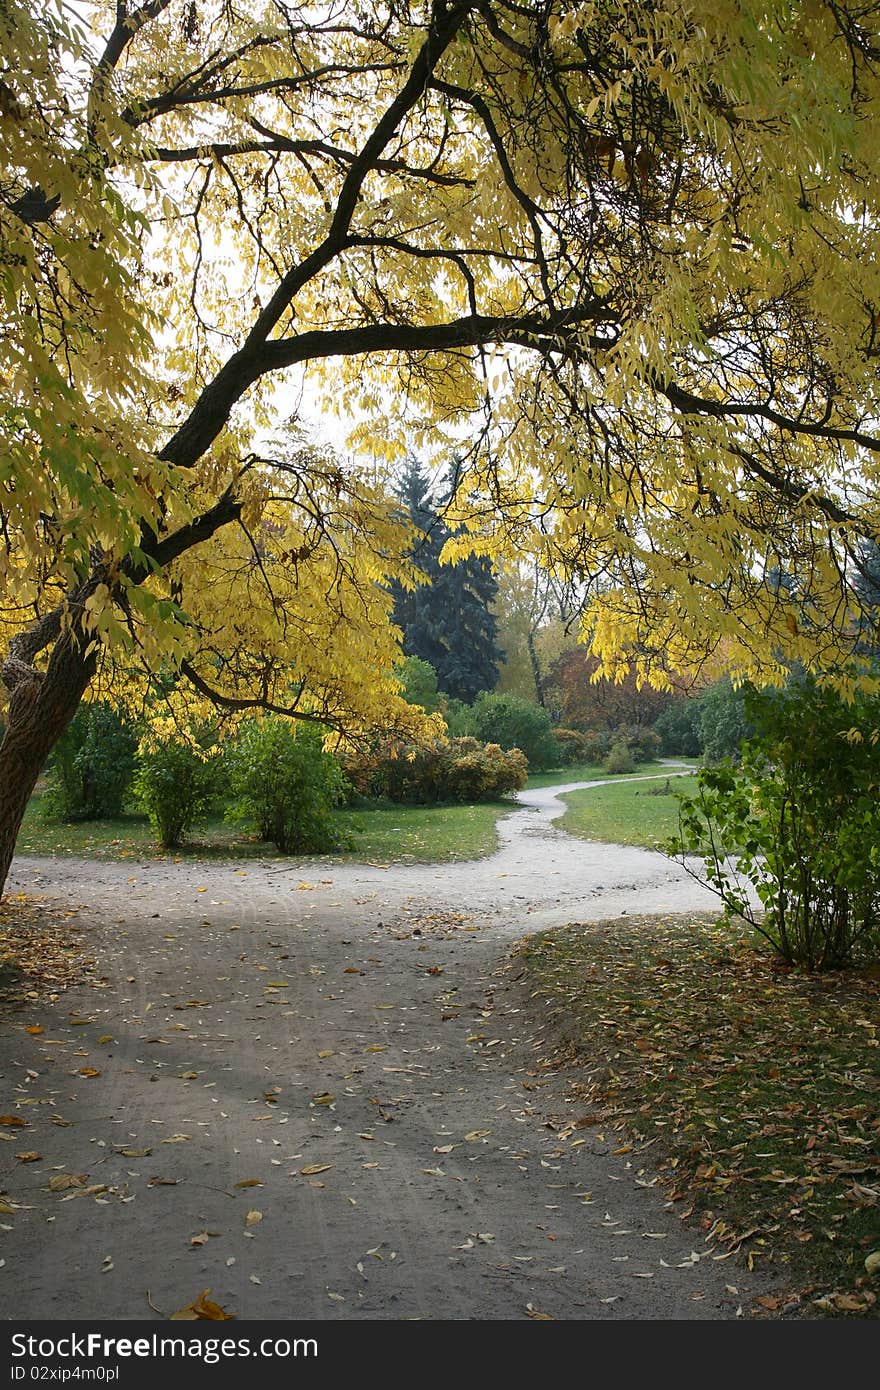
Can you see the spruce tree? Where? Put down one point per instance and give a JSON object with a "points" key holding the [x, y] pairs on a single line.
{"points": [[448, 620]]}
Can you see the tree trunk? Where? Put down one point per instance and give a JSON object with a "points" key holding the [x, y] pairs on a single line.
{"points": [[40, 708], [536, 669]]}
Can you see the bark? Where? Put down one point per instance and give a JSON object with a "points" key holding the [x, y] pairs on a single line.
{"points": [[536, 669], [40, 708]]}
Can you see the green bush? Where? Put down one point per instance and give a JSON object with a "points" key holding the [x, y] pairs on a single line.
{"points": [[643, 743], [619, 758], [678, 729], [724, 720], [802, 814], [92, 766], [283, 781], [419, 681], [175, 784], [512, 722]]}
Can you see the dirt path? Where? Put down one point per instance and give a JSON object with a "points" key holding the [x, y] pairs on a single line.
{"points": [[311, 1089]]}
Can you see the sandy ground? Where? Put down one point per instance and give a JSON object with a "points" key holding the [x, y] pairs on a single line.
{"points": [[311, 1089]]}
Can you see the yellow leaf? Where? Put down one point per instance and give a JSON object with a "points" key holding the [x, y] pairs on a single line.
{"points": [[315, 1168], [202, 1308]]}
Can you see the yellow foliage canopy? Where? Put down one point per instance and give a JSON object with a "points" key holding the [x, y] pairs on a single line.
{"points": [[620, 258]]}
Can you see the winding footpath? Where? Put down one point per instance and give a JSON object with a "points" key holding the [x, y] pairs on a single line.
{"points": [[311, 1088]]}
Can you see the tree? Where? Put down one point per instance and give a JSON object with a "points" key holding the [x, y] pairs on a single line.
{"points": [[447, 621], [623, 252], [587, 703], [536, 610]]}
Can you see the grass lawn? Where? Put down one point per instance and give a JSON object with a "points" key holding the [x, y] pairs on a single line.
{"points": [[754, 1089], [627, 813], [426, 834], [594, 772]]}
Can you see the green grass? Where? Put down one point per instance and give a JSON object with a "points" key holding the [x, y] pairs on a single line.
{"points": [[423, 834], [590, 772], [627, 813], [751, 1087]]}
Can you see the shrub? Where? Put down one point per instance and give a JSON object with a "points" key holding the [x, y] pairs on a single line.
{"points": [[175, 783], [572, 745], [802, 812], [482, 772], [678, 729], [282, 779], [512, 722], [419, 681], [643, 743], [458, 770], [596, 745], [92, 766], [724, 720], [619, 759]]}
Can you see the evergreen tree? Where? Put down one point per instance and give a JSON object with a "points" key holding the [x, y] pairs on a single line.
{"points": [[448, 620]]}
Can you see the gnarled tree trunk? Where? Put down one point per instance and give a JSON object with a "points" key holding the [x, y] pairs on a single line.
{"points": [[41, 705]]}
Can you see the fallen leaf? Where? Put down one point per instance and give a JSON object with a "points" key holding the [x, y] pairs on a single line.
{"points": [[313, 1168], [253, 1218], [89, 1071], [62, 1181], [134, 1153], [872, 1262], [35, 1030], [202, 1307], [106, 1038], [15, 1121], [177, 1139], [248, 1182], [30, 1157], [477, 1134], [323, 1098]]}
